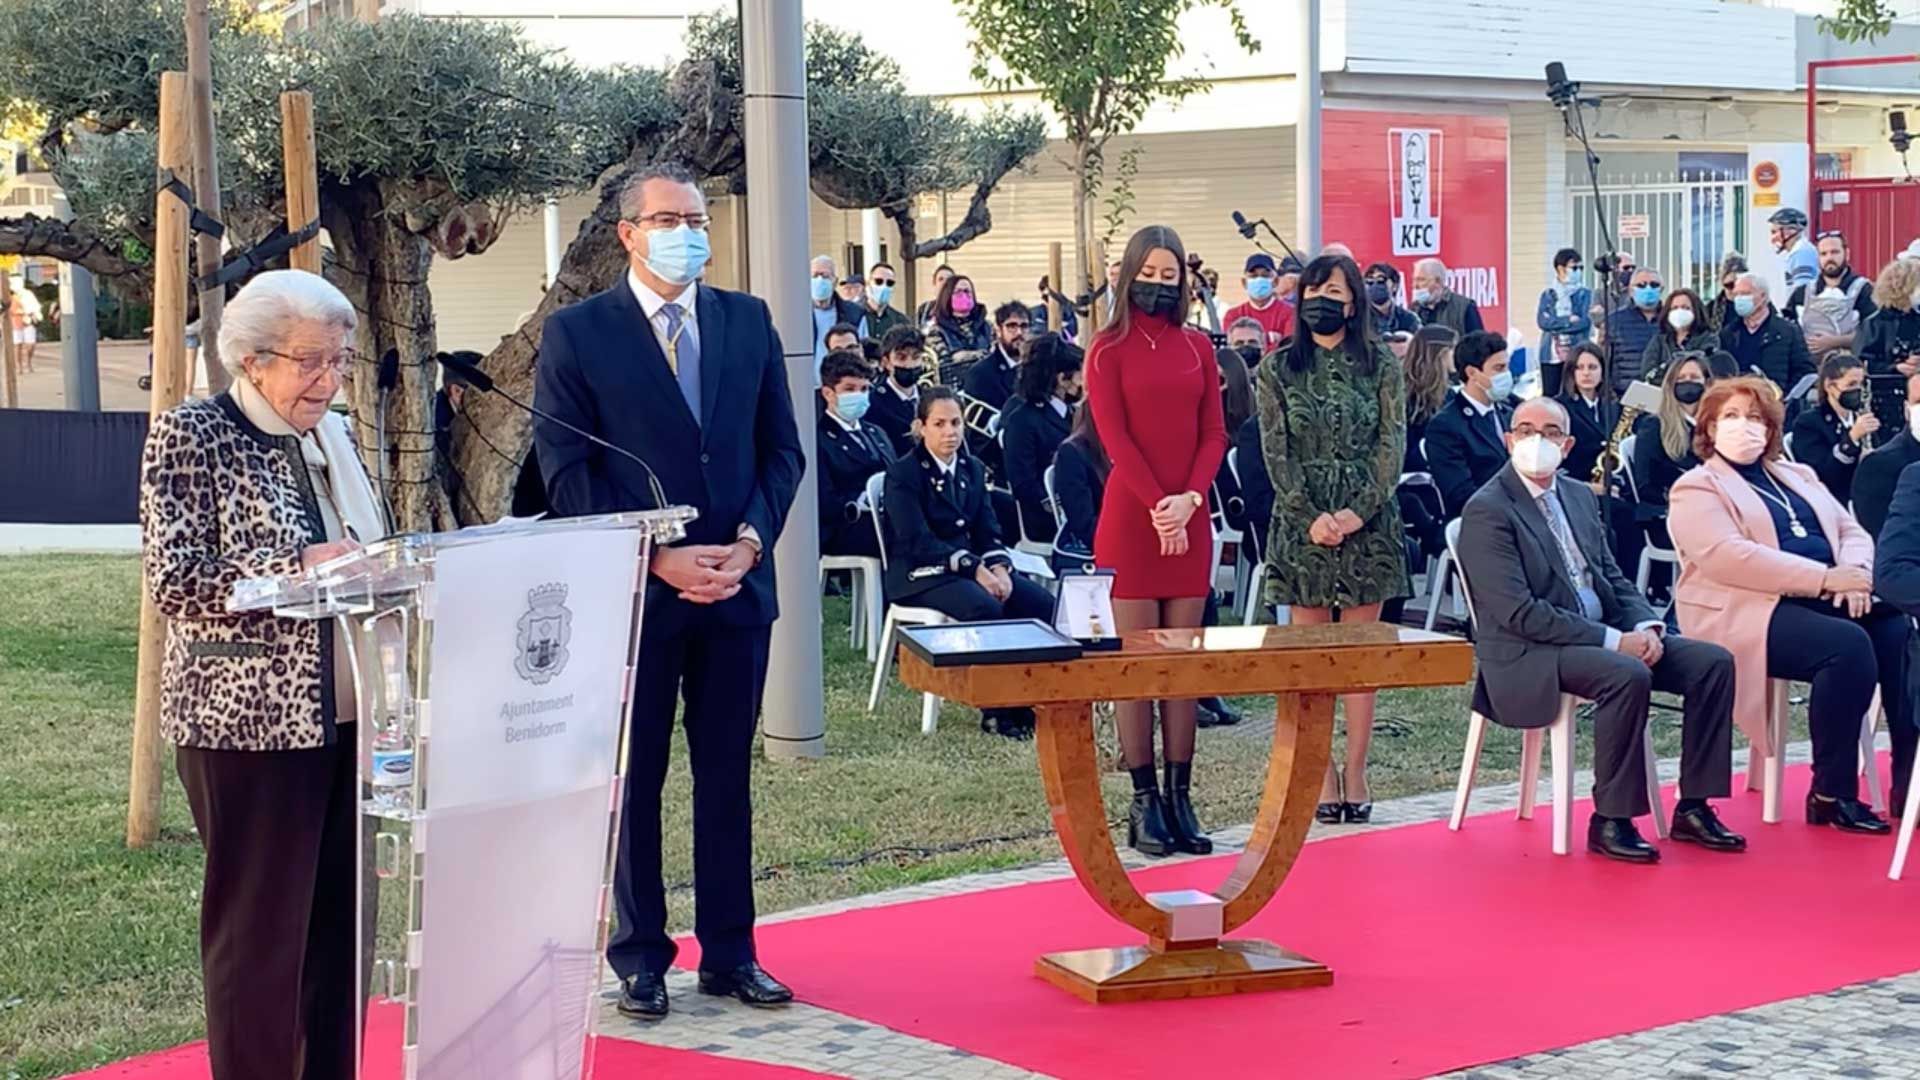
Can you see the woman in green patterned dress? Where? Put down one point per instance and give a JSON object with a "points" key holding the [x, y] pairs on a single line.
{"points": [[1333, 430]]}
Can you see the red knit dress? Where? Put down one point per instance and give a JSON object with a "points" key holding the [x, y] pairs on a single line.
{"points": [[1155, 396]]}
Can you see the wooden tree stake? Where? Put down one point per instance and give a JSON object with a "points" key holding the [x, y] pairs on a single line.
{"points": [[1058, 287], [303, 180], [206, 188], [170, 378], [6, 341]]}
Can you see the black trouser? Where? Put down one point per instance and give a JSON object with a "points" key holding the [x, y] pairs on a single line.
{"points": [[1619, 687], [1550, 368], [277, 907], [720, 672], [1844, 658], [854, 537]]}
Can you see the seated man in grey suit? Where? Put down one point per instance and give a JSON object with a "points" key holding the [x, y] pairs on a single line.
{"points": [[1554, 614]]}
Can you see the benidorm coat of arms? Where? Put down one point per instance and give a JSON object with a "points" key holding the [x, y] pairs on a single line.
{"points": [[545, 630]]}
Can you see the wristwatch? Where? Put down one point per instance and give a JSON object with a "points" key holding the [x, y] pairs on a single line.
{"points": [[1198, 501]]}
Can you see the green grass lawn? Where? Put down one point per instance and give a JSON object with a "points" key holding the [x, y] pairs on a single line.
{"points": [[98, 954]]}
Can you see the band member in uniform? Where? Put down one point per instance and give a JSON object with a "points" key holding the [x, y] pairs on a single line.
{"points": [[850, 451], [897, 397], [944, 546]]}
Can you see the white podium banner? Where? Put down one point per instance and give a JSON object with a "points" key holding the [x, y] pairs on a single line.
{"points": [[530, 653]]}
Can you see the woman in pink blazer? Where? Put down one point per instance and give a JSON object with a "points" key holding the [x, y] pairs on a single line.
{"points": [[1776, 571]]}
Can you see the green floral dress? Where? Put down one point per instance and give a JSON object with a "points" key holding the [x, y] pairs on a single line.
{"points": [[1334, 439]]}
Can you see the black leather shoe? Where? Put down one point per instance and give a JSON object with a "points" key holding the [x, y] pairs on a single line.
{"points": [[1700, 825], [1007, 723], [1847, 815], [1213, 712], [643, 997], [1147, 829], [1188, 836], [1616, 838], [749, 983]]}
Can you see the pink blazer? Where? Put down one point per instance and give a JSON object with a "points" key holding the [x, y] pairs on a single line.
{"points": [[1733, 573]]}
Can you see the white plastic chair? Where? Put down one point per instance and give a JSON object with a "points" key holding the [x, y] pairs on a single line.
{"points": [[898, 615], [1766, 773], [1053, 500], [867, 574], [1560, 736], [1905, 842], [1869, 767]]}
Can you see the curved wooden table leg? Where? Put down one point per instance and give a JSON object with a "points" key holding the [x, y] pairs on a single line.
{"points": [[1302, 742], [1069, 765]]}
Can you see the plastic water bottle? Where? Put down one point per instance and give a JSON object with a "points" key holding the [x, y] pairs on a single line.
{"points": [[392, 764]]}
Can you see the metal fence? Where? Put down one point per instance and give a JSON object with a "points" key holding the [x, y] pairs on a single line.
{"points": [[1679, 226]]}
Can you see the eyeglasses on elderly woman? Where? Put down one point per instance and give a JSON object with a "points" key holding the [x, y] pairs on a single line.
{"points": [[339, 363]]}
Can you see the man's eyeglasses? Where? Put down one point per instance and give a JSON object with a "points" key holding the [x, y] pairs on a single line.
{"points": [[667, 219], [879, 281], [1551, 431], [311, 366], [1015, 324]]}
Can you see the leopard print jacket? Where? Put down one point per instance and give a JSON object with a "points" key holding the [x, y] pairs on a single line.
{"points": [[222, 500]]}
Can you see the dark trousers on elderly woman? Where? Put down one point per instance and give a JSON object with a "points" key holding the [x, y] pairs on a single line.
{"points": [[277, 908], [1845, 659]]}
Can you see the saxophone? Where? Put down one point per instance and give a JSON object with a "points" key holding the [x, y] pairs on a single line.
{"points": [[1609, 459]]}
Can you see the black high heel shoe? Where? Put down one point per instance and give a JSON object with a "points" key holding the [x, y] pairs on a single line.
{"points": [[1333, 813], [1148, 830], [1847, 815], [1188, 836], [1355, 813]]}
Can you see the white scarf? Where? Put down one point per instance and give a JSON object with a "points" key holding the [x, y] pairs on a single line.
{"points": [[345, 493]]}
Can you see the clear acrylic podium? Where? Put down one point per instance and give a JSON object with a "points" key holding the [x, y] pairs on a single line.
{"points": [[493, 668]]}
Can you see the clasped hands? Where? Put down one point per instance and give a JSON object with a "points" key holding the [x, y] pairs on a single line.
{"points": [[1332, 530], [1647, 646], [704, 573], [1850, 588], [1170, 517], [997, 580]]}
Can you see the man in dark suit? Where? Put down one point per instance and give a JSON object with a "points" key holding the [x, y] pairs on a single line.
{"points": [[1879, 471], [692, 380], [851, 451], [1466, 438], [1896, 579], [1553, 614]]}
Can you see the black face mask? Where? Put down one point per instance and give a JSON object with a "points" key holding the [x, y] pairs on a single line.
{"points": [[1851, 400], [1249, 353], [906, 377], [1155, 297], [1323, 314], [1379, 292], [1689, 393]]}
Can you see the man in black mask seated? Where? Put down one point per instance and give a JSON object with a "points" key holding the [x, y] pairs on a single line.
{"points": [[897, 395], [1245, 337]]}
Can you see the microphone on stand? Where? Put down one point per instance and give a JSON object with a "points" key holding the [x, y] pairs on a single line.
{"points": [[1240, 222], [464, 369], [1247, 227]]}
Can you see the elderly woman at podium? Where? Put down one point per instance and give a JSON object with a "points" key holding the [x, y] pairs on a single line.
{"points": [[263, 480]]}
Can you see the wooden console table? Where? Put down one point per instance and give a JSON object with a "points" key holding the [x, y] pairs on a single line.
{"points": [[1305, 667]]}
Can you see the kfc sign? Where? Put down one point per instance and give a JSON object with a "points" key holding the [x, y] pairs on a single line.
{"points": [[1415, 168], [1401, 186]]}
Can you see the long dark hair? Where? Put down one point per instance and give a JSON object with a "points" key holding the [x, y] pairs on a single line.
{"points": [[1236, 397], [1832, 370], [1138, 248], [1700, 322], [1427, 374], [943, 303], [1359, 343], [1087, 436], [1047, 359], [1570, 390]]}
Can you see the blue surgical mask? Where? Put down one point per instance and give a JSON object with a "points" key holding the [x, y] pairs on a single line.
{"points": [[850, 405], [1423, 296], [1502, 387], [1646, 296], [822, 288], [1260, 288], [883, 295], [1743, 305], [679, 254]]}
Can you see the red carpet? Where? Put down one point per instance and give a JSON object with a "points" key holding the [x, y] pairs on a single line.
{"points": [[1448, 950], [616, 1059]]}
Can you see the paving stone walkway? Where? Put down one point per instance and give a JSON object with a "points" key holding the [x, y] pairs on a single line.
{"points": [[1866, 1031]]}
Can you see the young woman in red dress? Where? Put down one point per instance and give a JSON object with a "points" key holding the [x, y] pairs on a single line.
{"points": [[1154, 387]]}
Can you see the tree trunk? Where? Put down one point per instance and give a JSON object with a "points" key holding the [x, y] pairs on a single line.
{"points": [[383, 268], [491, 437], [909, 276], [1090, 275]]}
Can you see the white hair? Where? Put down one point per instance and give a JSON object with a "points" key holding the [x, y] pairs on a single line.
{"points": [[1758, 282], [1430, 266], [267, 309]]}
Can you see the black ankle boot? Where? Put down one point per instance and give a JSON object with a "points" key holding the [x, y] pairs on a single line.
{"points": [[1188, 836], [1147, 829]]}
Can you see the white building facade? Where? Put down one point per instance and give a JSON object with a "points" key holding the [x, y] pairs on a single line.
{"points": [[1685, 100]]}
